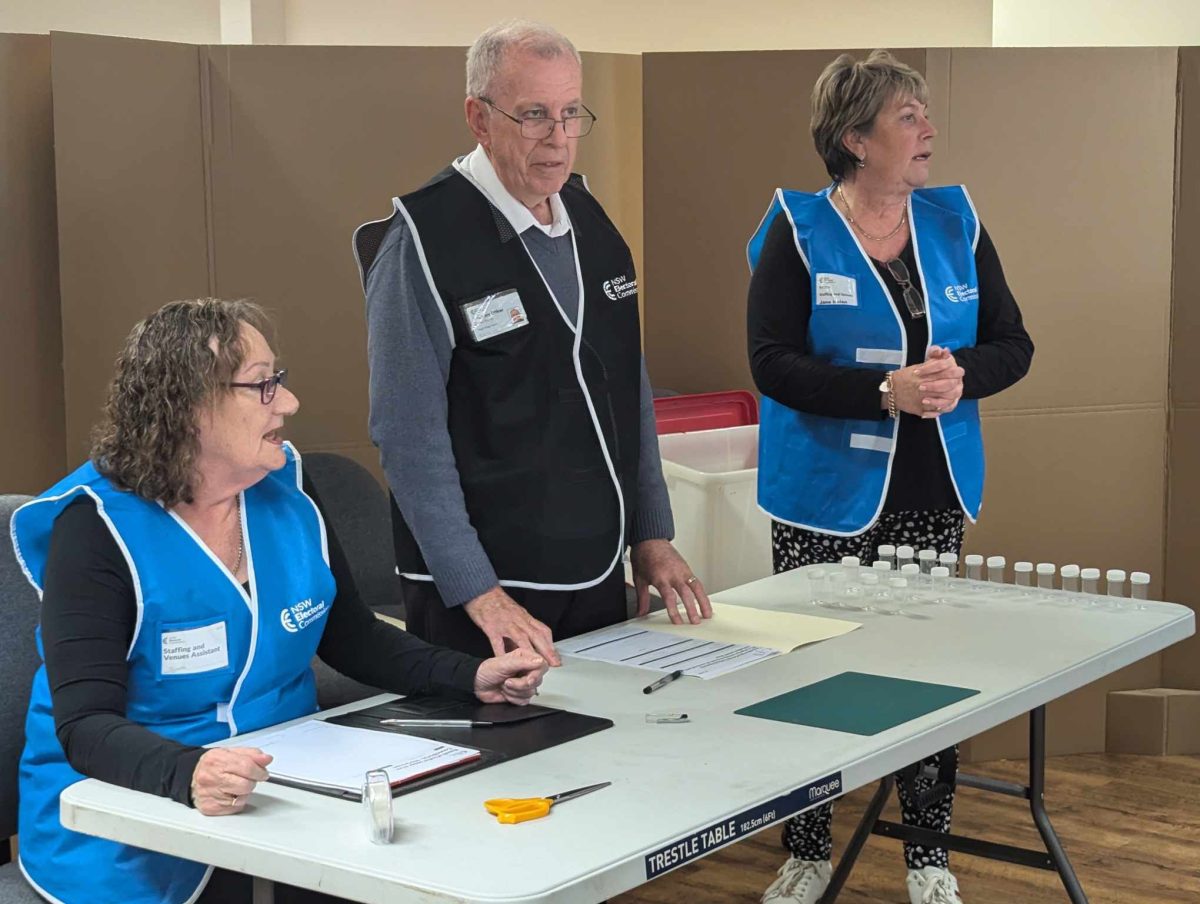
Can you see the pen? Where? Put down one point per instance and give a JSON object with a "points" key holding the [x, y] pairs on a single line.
{"points": [[433, 723], [662, 682]]}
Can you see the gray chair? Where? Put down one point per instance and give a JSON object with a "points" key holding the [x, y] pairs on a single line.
{"points": [[356, 509], [19, 607]]}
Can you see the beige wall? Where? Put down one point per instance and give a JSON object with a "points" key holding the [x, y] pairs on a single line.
{"points": [[634, 26], [31, 382], [197, 21], [1095, 23]]}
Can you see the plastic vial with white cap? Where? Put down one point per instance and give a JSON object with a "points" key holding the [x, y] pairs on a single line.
{"points": [[974, 565], [1045, 575], [887, 553], [939, 582], [1023, 574], [1116, 582], [850, 567], [949, 561], [899, 588], [927, 558], [835, 585], [910, 572], [1139, 586], [1089, 580], [904, 556], [883, 566], [816, 586], [995, 565], [870, 590], [1070, 578]]}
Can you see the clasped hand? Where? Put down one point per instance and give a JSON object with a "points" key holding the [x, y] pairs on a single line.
{"points": [[931, 388]]}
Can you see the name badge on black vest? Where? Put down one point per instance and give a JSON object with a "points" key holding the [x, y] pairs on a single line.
{"points": [[495, 314]]}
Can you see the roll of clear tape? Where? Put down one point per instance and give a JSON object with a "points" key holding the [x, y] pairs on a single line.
{"points": [[377, 802]]}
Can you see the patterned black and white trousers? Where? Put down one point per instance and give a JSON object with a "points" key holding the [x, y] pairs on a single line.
{"points": [[809, 836]]}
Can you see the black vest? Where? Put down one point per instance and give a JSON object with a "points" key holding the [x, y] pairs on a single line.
{"points": [[545, 429]]}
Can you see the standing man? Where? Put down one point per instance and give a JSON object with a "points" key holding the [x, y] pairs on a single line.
{"points": [[509, 397]]}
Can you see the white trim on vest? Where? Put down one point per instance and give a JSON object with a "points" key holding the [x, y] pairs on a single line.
{"points": [[437, 296], [796, 235], [362, 274], [975, 214], [311, 501]]}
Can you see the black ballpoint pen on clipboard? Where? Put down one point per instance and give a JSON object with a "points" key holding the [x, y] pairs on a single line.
{"points": [[662, 682]]}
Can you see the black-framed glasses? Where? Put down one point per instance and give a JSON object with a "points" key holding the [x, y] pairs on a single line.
{"points": [[266, 388], [912, 298], [539, 128]]}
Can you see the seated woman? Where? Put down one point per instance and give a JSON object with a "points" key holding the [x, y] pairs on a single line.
{"points": [[192, 528]]}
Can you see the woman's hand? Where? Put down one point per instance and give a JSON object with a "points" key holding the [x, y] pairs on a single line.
{"points": [[511, 678], [931, 388], [224, 778]]}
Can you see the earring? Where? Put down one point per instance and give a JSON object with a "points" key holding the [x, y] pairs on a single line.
{"points": [[861, 162]]}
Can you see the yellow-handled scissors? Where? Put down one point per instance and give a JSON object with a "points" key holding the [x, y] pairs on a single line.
{"points": [[511, 810]]}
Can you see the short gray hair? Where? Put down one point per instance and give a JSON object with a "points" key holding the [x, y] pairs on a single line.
{"points": [[486, 57], [849, 95]]}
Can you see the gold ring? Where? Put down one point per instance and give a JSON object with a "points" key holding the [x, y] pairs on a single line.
{"points": [[234, 802], [693, 579]]}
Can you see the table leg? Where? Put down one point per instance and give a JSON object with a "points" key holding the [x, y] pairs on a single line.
{"points": [[264, 891], [1037, 805], [865, 825]]}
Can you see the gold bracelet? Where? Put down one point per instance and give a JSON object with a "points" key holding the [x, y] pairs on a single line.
{"points": [[891, 392]]}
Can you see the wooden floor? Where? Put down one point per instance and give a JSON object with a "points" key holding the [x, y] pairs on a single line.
{"points": [[1131, 826]]}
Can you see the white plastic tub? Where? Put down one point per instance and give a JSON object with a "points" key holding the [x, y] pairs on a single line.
{"points": [[712, 481]]}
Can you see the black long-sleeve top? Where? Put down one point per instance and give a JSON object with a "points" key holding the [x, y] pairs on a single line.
{"points": [[778, 312], [88, 615]]}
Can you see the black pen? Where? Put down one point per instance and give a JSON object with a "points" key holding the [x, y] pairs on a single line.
{"points": [[662, 682]]}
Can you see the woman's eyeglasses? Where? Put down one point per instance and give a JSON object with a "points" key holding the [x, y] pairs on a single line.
{"points": [[266, 388], [912, 298]]}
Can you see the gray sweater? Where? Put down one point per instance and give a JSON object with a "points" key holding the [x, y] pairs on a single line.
{"points": [[409, 355]]}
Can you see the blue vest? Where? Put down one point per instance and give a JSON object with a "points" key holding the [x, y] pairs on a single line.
{"points": [[831, 474], [208, 661]]}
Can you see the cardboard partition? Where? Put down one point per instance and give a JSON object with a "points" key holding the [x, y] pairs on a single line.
{"points": [[261, 163], [1181, 663], [1156, 721], [31, 383]]}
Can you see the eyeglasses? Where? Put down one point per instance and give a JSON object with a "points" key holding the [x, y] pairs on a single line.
{"points": [[539, 128], [912, 298], [266, 388]]}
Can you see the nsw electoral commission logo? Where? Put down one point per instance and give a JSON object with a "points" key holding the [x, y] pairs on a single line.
{"points": [[300, 616], [962, 293], [620, 287]]}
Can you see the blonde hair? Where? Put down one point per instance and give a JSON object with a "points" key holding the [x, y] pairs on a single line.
{"points": [[848, 96]]}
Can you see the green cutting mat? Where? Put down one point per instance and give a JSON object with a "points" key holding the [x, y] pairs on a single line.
{"points": [[857, 703]]}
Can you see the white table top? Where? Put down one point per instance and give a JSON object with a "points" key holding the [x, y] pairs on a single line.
{"points": [[670, 781]]}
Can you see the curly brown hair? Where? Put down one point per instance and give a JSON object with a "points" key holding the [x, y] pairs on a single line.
{"points": [[168, 370]]}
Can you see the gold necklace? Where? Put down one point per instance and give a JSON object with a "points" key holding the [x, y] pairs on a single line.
{"points": [[856, 225], [241, 542]]}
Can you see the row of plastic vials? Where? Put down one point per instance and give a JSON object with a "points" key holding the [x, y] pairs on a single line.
{"points": [[928, 566]]}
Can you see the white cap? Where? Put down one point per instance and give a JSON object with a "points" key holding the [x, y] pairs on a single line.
{"points": [[996, 561], [905, 552], [816, 573], [939, 571], [927, 555], [1090, 574], [1045, 568], [1069, 571], [1115, 575], [886, 550], [1139, 577], [973, 559], [851, 561], [1022, 566], [948, 559], [882, 565], [910, 568], [898, 583], [837, 577], [870, 578]]}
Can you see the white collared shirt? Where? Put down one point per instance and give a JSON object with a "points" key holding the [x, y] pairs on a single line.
{"points": [[477, 167]]}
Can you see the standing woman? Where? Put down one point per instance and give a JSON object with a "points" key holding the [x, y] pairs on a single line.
{"points": [[878, 316]]}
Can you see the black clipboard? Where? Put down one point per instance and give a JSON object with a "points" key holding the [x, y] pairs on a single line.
{"points": [[511, 733]]}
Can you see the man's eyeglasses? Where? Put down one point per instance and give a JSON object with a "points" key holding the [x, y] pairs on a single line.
{"points": [[912, 298], [266, 388], [539, 128]]}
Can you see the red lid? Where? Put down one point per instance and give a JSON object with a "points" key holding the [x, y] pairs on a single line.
{"points": [[705, 411]]}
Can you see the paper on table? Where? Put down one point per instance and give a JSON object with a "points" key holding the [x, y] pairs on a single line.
{"points": [[782, 631], [329, 756], [633, 644]]}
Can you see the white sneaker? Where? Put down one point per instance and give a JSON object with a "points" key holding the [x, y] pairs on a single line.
{"points": [[932, 885], [800, 882]]}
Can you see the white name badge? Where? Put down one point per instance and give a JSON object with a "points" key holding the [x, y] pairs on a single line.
{"points": [[495, 315], [832, 288], [194, 650]]}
